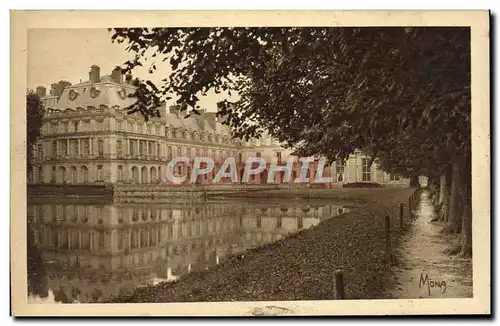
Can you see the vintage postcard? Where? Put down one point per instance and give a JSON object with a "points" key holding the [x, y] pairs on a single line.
{"points": [[232, 163]]}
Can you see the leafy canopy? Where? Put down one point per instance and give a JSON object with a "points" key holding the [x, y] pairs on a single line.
{"points": [[401, 95]]}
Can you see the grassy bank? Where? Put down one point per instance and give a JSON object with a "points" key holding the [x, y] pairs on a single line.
{"points": [[301, 266]]}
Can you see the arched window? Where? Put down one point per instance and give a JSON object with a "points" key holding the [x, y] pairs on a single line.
{"points": [[154, 177], [135, 174], [30, 175], [144, 175], [40, 175], [74, 175], [84, 177], [61, 175]]}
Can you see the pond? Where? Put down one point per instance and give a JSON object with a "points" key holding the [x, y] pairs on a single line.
{"points": [[90, 251]]}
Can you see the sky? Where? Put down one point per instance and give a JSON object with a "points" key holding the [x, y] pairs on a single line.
{"points": [[68, 53]]}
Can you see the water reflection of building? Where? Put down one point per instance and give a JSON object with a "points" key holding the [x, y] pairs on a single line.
{"points": [[95, 251]]}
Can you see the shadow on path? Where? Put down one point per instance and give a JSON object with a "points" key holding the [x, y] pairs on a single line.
{"points": [[423, 269]]}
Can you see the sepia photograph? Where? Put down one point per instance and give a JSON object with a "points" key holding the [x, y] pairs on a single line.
{"points": [[250, 163]]}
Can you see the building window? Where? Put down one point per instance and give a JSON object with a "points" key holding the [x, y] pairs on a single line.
{"points": [[39, 152], [73, 147], [40, 174], [257, 154], [339, 167], [65, 126], [85, 125], [120, 173], [86, 147], [394, 177], [169, 152], [64, 148], [75, 126], [179, 151], [53, 175], [130, 126], [131, 148], [99, 125], [119, 148], [150, 148], [179, 169], [54, 148], [99, 173], [157, 149], [366, 170], [149, 129], [158, 131], [100, 147], [119, 125], [139, 128], [278, 156]]}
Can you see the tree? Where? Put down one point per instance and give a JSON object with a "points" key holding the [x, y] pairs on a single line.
{"points": [[395, 93], [34, 115]]}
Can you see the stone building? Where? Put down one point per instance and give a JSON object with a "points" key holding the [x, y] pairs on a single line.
{"points": [[88, 138], [357, 167]]}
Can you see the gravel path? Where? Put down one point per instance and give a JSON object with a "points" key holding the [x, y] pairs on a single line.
{"points": [[424, 270]]}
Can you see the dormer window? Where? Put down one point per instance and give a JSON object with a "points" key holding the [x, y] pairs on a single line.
{"points": [[73, 95]]}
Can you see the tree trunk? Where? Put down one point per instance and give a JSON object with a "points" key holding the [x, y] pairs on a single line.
{"points": [[466, 236], [445, 208], [442, 188], [454, 224]]}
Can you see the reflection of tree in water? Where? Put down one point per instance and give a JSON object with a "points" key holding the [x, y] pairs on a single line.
{"points": [[37, 277]]}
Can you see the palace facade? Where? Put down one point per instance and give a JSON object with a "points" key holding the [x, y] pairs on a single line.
{"points": [[88, 138]]}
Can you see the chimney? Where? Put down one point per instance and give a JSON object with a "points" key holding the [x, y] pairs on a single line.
{"points": [[209, 115], [210, 119], [63, 84], [179, 110], [117, 76], [53, 89], [94, 76], [41, 91], [58, 88], [176, 109], [222, 119], [163, 109]]}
